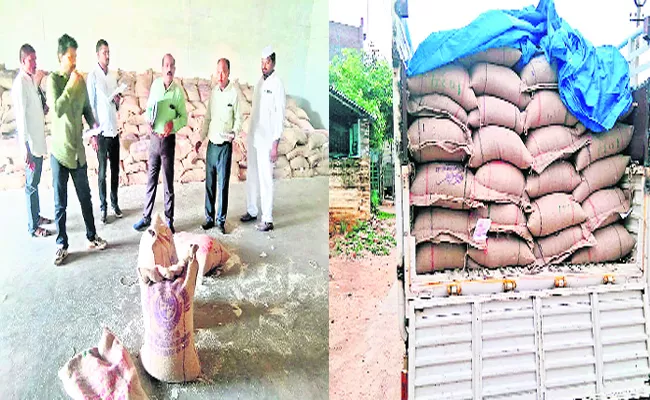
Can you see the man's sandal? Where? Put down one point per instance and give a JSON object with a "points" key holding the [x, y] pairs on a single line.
{"points": [[44, 221], [40, 232]]}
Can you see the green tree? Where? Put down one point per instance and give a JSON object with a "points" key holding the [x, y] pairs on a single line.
{"points": [[368, 81]]}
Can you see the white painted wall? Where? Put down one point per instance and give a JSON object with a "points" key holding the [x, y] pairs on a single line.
{"points": [[196, 32]]}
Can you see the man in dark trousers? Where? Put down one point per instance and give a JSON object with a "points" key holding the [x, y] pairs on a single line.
{"points": [[67, 99], [221, 123], [101, 86], [166, 114]]}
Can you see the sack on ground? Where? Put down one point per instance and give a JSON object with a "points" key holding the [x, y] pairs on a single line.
{"points": [[103, 372]]}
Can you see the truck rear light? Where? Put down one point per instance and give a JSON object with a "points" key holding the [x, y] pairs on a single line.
{"points": [[405, 392]]}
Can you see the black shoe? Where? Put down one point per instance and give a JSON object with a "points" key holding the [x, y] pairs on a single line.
{"points": [[118, 212], [265, 226], [103, 217], [208, 225], [170, 224], [247, 218], [222, 228], [142, 224]]}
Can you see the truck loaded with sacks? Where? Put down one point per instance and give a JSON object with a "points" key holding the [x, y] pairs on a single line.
{"points": [[522, 211]]}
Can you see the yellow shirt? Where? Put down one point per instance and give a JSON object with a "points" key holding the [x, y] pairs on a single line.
{"points": [[223, 115]]}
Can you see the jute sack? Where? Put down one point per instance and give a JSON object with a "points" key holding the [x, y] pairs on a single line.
{"points": [[439, 225], [554, 212], [316, 140], [556, 248], [539, 72], [436, 105], [552, 143], [612, 243], [505, 218], [431, 257], [498, 143], [168, 353], [450, 185], [505, 56], [298, 151], [282, 162], [210, 253], [494, 111], [506, 180], [546, 108], [302, 173], [451, 80], [601, 174], [299, 163], [604, 144], [503, 251], [438, 139], [498, 81], [561, 176], [282, 173], [605, 206], [140, 150], [103, 372]]}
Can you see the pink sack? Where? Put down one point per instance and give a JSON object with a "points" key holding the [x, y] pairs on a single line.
{"points": [[102, 372], [210, 255]]}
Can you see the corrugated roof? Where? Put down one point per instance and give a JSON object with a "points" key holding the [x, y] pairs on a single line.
{"points": [[350, 103]]}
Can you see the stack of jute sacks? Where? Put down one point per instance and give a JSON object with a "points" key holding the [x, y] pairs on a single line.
{"points": [[491, 144], [303, 150]]}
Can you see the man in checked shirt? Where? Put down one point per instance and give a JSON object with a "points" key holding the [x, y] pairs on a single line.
{"points": [[222, 122]]}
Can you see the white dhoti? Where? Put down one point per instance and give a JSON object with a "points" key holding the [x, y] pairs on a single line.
{"points": [[259, 182]]}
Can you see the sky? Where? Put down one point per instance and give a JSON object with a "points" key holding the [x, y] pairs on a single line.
{"points": [[600, 21]]}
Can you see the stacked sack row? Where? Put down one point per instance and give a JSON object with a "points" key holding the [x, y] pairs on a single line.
{"points": [[485, 148], [304, 151]]}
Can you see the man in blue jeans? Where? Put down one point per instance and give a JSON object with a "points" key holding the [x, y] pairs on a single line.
{"points": [[30, 124], [67, 98]]}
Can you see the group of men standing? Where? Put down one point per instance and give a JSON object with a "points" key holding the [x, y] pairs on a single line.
{"points": [[69, 98]]}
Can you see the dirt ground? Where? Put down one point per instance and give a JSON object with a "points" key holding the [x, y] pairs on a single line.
{"points": [[365, 347]]}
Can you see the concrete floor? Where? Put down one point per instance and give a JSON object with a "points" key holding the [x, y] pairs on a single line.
{"points": [[261, 328]]}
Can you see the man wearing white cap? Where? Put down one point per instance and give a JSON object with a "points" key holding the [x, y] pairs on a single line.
{"points": [[267, 123]]}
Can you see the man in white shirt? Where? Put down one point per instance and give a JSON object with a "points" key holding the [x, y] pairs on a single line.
{"points": [[30, 123], [221, 123], [267, 124], [101, 85]]}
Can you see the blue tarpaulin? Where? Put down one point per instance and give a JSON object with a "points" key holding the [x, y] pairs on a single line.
{"points": [[594, 83]]}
